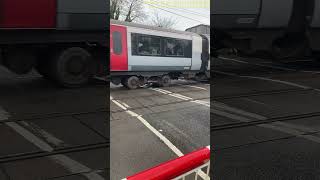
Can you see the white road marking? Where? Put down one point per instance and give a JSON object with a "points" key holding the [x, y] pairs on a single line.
{"points": [[76, 167], [205, 103], [151, 128], [261, 65], [4, 115], [124, 104], [255, 101], [226, 73], [292, 126], [165, 140], [284, 82], [70, 164], [30, 137], [186, 136], [161, 90], [271, 80], [162, 137], [278, 81], [119, 104], [49, 137], [180, 96], [295, 130], [274, 67], [237, 111], [197, 87], [133, 114], [230, 115]]}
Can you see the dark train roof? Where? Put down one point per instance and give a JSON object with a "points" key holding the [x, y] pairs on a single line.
{"points": [[150, 27]]}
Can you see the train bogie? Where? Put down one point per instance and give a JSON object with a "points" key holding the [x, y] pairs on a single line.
{"points": [[64, 40]]}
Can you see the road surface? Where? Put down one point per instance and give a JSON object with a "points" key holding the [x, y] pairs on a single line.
{"points": [[48, 132], [265, 121], [152, 125]]}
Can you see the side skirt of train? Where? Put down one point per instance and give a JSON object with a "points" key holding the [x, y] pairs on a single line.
{"points": [[141, 54]]}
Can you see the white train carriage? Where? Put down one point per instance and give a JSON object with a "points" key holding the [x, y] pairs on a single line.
{"points": [[141, 53]]}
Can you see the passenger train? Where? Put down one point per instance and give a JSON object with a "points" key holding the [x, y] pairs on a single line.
{"points": [[282, 29], [141, 53]]}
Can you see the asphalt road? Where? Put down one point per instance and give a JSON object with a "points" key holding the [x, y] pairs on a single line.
{"points": [[265, 119], [180, 113], [47, 132], [264, 124]]}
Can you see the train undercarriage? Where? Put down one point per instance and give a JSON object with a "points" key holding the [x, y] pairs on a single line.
{"points": [[134, 80], [267, 28]]}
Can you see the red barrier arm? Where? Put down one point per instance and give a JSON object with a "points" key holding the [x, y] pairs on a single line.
{"points": [[176, 167]]}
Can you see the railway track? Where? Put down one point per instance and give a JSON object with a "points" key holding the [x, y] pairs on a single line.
{"points": [[266, 121], [60, 151], [155, 95], [171, 86], [269, 128], [272, 92], [39, 125], [156, 105], [51, 115], [306, 66], [77, 174], [256, 122], [295, 87]]}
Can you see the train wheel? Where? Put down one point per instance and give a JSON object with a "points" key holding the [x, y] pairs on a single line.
{"points": [[42, 66], [165, 81], [72, 67], [133, 82], [19, 61], [142, 81], [124, 82], [42, 70], [290, 47]]}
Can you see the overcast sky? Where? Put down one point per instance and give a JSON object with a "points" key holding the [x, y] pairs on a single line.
{"points": [[196, 13]]}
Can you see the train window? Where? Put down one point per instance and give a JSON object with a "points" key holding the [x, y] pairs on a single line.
{"points": [[117, 42], [174, 47], [149, 45]]}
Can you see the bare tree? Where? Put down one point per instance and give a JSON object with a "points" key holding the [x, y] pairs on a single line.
{"points": [[115, 9], [164, 22], [127, 10]]}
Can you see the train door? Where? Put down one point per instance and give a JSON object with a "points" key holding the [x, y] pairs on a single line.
{"points": [[208, 68], [205, 55], [118, 48]]}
